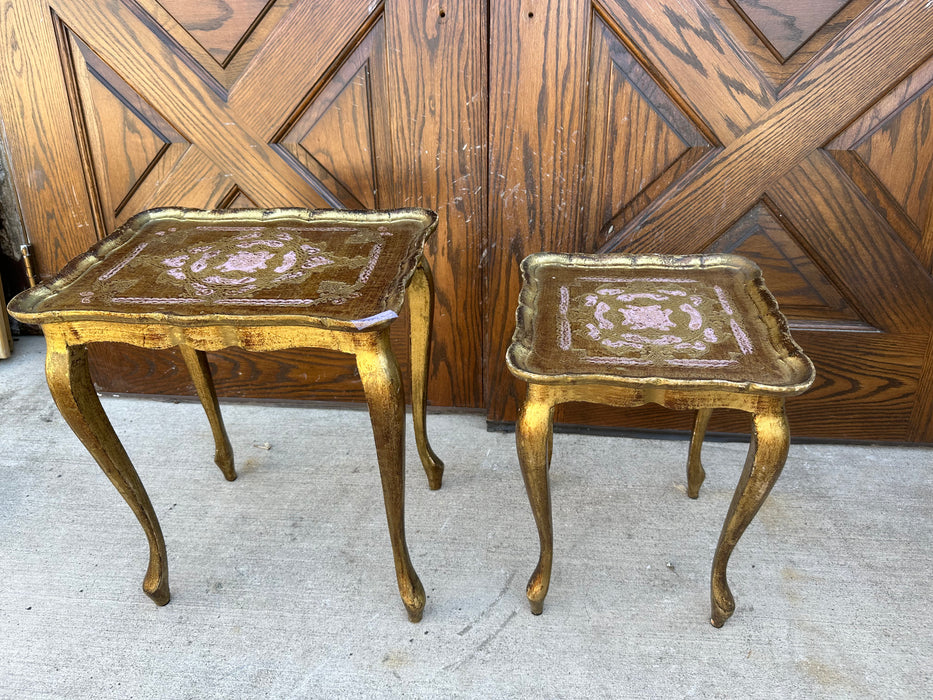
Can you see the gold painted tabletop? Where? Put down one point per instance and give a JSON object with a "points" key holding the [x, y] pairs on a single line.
{"points": [[689, 322], [334, 269]]}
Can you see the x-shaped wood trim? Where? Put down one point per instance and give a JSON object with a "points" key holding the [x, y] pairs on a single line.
{"points": [[229, 138], [772, 140]]}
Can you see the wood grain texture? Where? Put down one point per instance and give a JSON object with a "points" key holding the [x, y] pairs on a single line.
{"points": [[845, 245], [691, 52], [221, 37], [921, 418], [856, 70], [795, 279], [302, 374], [900, 154], [893, 290], [340, 138], [129, 144], [785, 28], [755, 38], [298, 56], [536, 150], [218, 27], [637, 139], [281, 104], [883, 202], [629, 125], [163, 77], [876, 401], [437, 93], [37, 148]]}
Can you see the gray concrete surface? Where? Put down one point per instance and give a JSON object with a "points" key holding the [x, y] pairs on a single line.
{"points": [[283, 585]]}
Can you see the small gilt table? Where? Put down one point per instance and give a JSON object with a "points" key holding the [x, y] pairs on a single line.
{"points": [[255, 279], [696, 332]]}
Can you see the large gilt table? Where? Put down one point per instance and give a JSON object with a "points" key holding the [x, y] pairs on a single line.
{"points": [[692, 332], [254, 279]]}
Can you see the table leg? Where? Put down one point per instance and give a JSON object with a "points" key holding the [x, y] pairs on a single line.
{"points": [[200, 371], [533, 434], [695, 473], [421, 303], [766, 456], [69, 381], [383, 386]]}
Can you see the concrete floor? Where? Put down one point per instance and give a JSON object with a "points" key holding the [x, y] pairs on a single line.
{"points": [[283, 586]]}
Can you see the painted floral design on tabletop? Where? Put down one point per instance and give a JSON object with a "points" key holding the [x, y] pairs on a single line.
{"points": [[245, 266], [244, 263], [642, 321]]}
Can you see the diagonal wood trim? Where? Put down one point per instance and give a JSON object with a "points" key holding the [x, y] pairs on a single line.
{"points": [[895, 294], [155, 73], [325, 30], [752, 38], [666, 34], [813, 108]]}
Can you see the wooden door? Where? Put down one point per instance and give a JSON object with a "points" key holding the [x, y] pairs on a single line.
{"points": [[112, 107], [796, 132]]}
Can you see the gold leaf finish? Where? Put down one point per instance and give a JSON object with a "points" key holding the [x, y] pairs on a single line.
{"points": [[690, 332], [254, 279]]}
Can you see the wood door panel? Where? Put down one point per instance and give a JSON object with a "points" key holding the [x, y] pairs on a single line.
{"points": [[696, 59], [338, 137], [230, 33], [873, 376], [921, 418], [806, 112], [534, 172], [160, 76], [306, 47], [882, 201], [775, 25], [257, 103], [37, 147], [836, 90], [797, 133], [282, 373], [436, 71], [630, 119], [806, 294], [894, 291]]}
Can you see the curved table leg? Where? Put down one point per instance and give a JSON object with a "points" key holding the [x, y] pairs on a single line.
{"points": [[533, 434], [695, 473], [421, 303], [200, 371], [69, 381], [383, 386], [766, 456]]}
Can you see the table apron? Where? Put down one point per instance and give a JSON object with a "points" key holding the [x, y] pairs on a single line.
{"points": [[210, 338], [680, 399]]}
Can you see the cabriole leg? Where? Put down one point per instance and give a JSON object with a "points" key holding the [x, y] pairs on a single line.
{"points": [[421, 304], [766, 456], [383, 386], [695, 473], [70, 383], [200, 371], [533, 440]]}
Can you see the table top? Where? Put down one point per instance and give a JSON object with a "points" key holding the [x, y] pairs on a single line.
{"points": [[701, 321], [334, 269]]}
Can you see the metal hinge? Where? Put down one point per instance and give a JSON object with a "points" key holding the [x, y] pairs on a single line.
{"points": [[26, 250]]}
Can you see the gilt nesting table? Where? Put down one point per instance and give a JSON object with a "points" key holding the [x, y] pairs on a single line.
{"points": [[693, 332], [259, 280]]}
